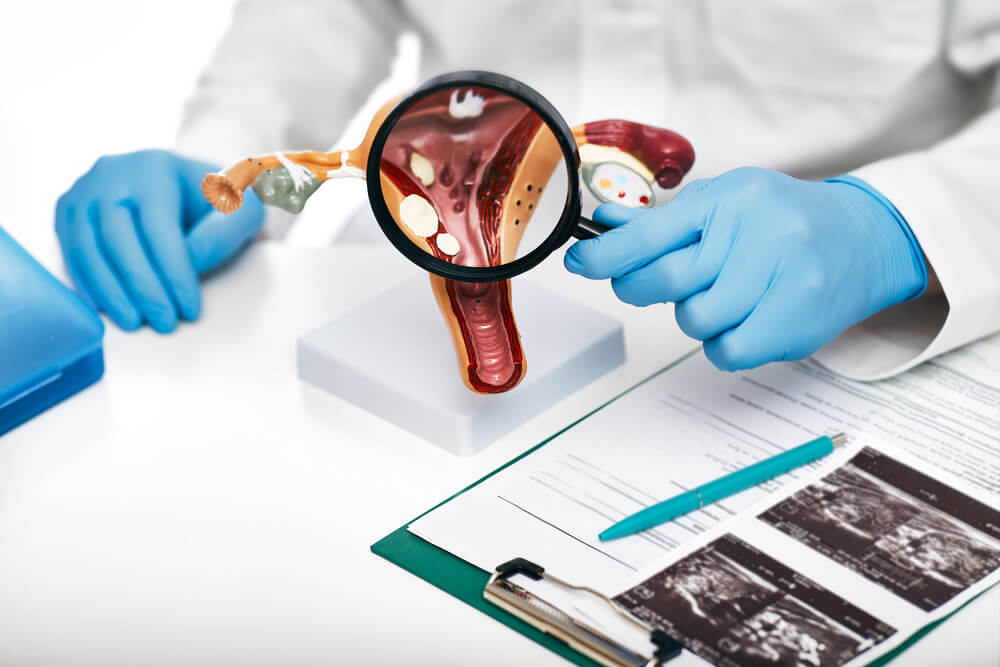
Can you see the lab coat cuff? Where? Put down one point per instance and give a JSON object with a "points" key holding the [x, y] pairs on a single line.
{"points": [[908, 333], [918, 253]]}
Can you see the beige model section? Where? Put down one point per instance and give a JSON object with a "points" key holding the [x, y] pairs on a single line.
{"points": [[531, 176], [224, 190], [595, 154]]}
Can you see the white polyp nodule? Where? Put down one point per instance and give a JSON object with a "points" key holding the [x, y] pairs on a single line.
{"points": [[301, 175], [448, 244], [345, 170], [422, 168], [418, 215], [470, 106]]}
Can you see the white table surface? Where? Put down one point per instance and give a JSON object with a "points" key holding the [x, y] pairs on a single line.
{"points": [[202, 506]]}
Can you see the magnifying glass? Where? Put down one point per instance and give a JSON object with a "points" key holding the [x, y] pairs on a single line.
{"points": [[475, 176]]}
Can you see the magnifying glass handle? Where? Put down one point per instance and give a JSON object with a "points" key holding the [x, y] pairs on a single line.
{"points": [[588, 229]]}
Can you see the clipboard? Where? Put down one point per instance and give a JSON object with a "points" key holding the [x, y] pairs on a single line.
{"points": [[467, 582], [463, 580]]}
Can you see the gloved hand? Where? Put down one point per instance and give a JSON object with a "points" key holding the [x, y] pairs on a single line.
{"points": [[136, 231], [762, 266]]}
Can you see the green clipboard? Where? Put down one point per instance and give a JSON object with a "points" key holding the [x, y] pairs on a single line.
{"points": [[466, 582], [461, 579]]}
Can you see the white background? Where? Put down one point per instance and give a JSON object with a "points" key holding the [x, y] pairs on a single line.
{"points": [[200, 505], [83, 79]]}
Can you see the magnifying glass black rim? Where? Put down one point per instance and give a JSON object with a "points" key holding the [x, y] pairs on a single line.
{"points": [[513, 88]]}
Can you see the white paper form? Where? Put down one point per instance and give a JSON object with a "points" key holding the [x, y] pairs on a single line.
{"points": [[692, 424]]}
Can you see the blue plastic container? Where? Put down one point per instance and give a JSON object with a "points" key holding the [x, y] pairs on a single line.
{"points": [[50, 340]]}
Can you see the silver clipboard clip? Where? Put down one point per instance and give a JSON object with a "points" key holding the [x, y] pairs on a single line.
{"points": [[553, 621]]}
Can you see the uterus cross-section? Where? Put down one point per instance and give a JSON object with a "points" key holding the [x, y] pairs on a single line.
{"points": [[456, 174], [462, 173]]}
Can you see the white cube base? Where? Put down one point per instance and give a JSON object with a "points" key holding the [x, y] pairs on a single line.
{"points": [[393, 356]]}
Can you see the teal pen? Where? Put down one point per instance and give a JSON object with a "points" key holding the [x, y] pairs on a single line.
{"points": [[725, 486]]}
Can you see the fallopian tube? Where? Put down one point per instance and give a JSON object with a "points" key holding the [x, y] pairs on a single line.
{"points": [[445, 162]]}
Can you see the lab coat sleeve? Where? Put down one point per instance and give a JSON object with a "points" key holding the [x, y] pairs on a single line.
{"points": [[288, 75], [949, 194]]}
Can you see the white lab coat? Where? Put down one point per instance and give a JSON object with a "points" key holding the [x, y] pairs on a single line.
{"points": [[902, 93]]}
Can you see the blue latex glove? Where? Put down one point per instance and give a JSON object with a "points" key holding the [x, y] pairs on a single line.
{"points": [[136, 231], [762, 266]]}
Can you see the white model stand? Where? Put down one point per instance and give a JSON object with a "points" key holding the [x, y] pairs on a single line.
{"points": [[393, 356]]}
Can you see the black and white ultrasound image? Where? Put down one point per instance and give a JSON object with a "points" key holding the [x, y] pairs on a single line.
{"points": [[886, 522], [789, 633], [733, 605]]}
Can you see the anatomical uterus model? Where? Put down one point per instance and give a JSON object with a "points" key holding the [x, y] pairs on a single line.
{"points": [[462, 174]]}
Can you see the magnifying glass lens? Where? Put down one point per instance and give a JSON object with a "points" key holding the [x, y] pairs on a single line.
{"points": [[474, 177]]}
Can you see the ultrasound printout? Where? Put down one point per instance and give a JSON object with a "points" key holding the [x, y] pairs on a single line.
{"points": [[732, 604], [915, 536]]}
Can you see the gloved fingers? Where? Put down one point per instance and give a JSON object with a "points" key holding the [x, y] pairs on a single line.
{"points": [[774, 331], [70, 256], [678, 275], [743, 281], [217, 237], [89, 268], [614, 215], [121, 242], [652, 233], [191, 173], [160, 223]]}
